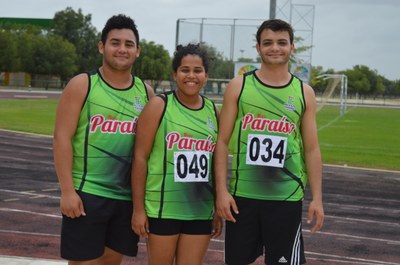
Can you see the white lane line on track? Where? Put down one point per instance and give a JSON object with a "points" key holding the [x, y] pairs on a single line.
{"points": [[30, 193], [37, 197], [30, 212], [28, 133], [221, 241], [27, 233], [17, 159], [51, 189], [398, 243], [346, 262], [217, 240], [358, 220], [11, 200], [353, 260], [355, 237], [363, 168], [330, 257], [355, 208], [355, 198], [29, 96]]}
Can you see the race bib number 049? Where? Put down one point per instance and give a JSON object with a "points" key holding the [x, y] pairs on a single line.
{"points": [[266, 150], [191, 166]]}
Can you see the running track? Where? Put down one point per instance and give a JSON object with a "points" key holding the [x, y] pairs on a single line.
{"points": [[362, 208]]}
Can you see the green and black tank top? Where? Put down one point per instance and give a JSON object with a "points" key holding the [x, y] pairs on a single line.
{"points": [[266, 144], [179, 180], [103, 142]]}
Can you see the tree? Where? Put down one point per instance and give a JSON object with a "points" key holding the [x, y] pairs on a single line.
{"points": [[379, 86], [8, 52], [245, 60], [60, 48], [357, 82], [374, 79], [299, 50], [317, 83], [397, 87], [392, 88], [363, 80], [77, 29], [220, 67], [154, 63], [52, 56]]}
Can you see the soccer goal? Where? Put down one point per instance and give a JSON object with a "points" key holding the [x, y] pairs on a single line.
{"points": [[332, 88]]}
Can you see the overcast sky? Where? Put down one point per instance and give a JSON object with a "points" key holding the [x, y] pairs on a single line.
{"points": [[345, 32]]}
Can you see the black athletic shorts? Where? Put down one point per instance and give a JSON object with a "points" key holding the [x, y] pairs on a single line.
{"points": [[262, 227], [168, 227], [107, 224]]}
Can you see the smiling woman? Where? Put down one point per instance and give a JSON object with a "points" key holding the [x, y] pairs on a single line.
{"points": [[172, 173]]}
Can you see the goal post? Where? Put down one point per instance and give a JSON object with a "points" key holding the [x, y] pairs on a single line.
{"points": [[331, 88]]}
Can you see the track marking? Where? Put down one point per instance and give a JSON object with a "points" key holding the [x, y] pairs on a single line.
{"points": [[28, 133], [347, 259], [355, 237], [13, 159], [52, 189], [29, 96], [321, 256], [37, 197], [11, 200], [389, 243], [30, 193], [27, 233], [30, 212], [367, 262], [357, 220], [364, 168], [329, 123]]}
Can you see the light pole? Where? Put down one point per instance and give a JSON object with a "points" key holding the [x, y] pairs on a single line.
{"points": [[272, 9]]}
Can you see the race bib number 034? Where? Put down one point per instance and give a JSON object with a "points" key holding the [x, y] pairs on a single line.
{"points": [[266, 150], [191, 166]]}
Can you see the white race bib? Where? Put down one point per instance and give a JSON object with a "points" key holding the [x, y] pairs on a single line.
{"points": [[266, 150], [191, 166]]}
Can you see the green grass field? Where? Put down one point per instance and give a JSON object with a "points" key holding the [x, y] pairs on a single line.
{"points": [[365, 137], [28, 115]]}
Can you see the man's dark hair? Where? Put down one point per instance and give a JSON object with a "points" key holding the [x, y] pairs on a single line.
{"points": [[119, 22], [192, 49], [275, 25]]}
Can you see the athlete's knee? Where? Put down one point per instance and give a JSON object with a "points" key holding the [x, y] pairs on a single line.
{"points": [[110, 257]]}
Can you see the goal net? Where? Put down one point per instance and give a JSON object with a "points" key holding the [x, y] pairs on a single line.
{"points": [[335, 92]]}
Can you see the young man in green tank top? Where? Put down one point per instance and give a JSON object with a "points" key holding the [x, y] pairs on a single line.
{"points": [[93, 146], [268, 123]]}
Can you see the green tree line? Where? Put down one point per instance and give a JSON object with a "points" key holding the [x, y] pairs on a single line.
{"points": [[70, 47], [362, 81]]}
